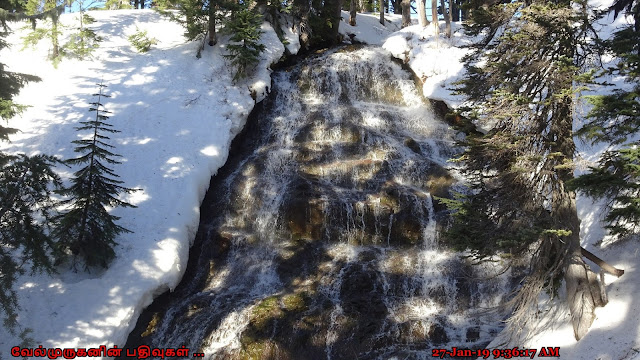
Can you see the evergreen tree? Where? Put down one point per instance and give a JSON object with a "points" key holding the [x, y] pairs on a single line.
{"points": [[25, 189], [193, 15], [85, 40], [46, 9], [86, 229], [25, 210], [244, 26], [324, 21], [615, 119], [10, 85], [520, 203]]}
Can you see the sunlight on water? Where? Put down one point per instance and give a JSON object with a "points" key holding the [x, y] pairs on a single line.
{"points": [[323, 241]]}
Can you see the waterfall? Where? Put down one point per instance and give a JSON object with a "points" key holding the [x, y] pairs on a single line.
{"points": [[321, 235]]}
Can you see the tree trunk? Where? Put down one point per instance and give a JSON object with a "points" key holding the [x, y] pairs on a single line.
{"points": [[212, 24], [422, 13], [406, 13], [434, 17], [335, 21], [447, 20], [583, 289], [303, 26], [583, 292], [352, 13], [54, 36], [381, 6], [454, 10], [397, 6]]}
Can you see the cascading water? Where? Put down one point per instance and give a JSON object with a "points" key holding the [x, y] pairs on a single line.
{"points": [[321, 241]]}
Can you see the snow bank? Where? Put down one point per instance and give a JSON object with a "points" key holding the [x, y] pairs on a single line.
{"points": [[177, 116], [437, 61], [368, 29]]}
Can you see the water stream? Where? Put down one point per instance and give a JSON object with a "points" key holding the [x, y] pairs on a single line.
{"points": [[318, 239]]}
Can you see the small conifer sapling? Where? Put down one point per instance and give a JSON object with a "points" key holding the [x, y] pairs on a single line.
{"points": [[244, 27], [86, 229]]}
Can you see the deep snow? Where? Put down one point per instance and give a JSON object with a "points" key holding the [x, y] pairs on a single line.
{"points": [[178, 116]]}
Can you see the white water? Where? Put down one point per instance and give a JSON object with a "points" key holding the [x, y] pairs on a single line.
{"points": [[332, 208]]}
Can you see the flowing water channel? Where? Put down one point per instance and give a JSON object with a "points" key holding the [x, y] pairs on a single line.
{"points": [[318, 239]]}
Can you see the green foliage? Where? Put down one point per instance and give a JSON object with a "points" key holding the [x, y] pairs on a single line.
{"points": [[141, 41], [87, 229], [524, 91], [324, 22], [615, 119], [25, 205], [33, 38], [46, 10], [193, 15], [10, 85], [82, 43], [521, 84], [25, 208], [244, 26], [617, 178]]}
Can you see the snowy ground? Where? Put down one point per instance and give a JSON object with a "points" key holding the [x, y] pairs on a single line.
{"points": [[178, 116]]}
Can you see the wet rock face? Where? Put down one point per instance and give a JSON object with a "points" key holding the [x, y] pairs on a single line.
{"points": [[321, 236]]}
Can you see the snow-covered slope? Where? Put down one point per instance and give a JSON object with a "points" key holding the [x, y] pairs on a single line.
{"points": [[177, 116], [615, 334]]}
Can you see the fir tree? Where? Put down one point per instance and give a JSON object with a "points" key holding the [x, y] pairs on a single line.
{"points": [[615, 119], [10, 85], [25, 210], [25, 206], [87, 229], [520, 203], [244, 26], [46, 9], [85, 40], [193, 15]]}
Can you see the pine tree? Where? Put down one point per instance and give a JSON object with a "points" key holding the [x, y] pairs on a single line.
{"points": [[25, 206], [193, 15], [10, 85], [85, 40], [520, 203], [25, 210], [244, 26], [46, 9], [615, 119], [86, 229]]}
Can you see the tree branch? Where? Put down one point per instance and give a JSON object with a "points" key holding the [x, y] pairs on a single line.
{"points": [[601, 263]]}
